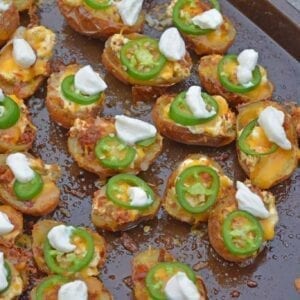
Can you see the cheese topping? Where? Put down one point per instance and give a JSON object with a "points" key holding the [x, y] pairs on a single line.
{"points": [[247, 62], [3, 273], [250, 202], [138, 197], [5, 225], [271, 120], [2, 96], [180, 287], [171, 44], [129, 10], [210, 19], [59, 238], [88, 82], [131, 130], [196, 103], [74, 290], [23, 54], [19, 165], [4, 5]]}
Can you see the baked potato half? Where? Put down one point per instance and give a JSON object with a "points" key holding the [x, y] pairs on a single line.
{"points": [[96, 23], [89, 243], [19, 135], [62, 110], [84, 137], [208, 72], [15, 80], [227, 205], [203, 42], [216, 132], [186, 197], [47, 198], [261, 169], [144, 261]]}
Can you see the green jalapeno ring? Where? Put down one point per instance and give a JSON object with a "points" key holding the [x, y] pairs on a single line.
{"points": [[242, 141], [156, 289], [230, 234], [181, 114], [98, 4], [197, 188], [26, 191], [142, 56], [79, 263], [112, 190], [11, 114], [8, 277], [146, 142], [237, 88], [68, 90]]}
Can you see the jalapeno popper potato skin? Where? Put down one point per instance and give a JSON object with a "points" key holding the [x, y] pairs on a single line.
{"points": [[19, 77], [265, 163], [202, 41], [208, 72], [143, 271], [85, 260], [259, 230], [194, 187], [64, 110], [36, 197]]}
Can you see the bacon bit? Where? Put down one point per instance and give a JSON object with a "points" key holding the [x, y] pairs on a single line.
{"points": [[90, 136], [128, 281], [128, 243], [6, 175], [28, 136], [140, 273], [297, 284]]}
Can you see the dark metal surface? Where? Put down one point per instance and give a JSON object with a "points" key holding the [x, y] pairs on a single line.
{"points": [[277, 266]]}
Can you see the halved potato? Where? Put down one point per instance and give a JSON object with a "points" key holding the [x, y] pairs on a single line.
{"points": [[39, 236], [62, 110], [208, 72], [216, 133], [267, 170], [14, 80], [23, 4], [229, 204], [170, 202], [83, 137], [9, 22], [20, 136], [144, 261], [42, 204]]}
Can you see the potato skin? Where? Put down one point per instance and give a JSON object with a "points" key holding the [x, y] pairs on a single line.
{"points": [[182, 134], [65, 115], [96, 24], [9, 22], [209, 80], [144, 261]]}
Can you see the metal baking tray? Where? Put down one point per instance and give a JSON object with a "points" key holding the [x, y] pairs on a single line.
{"points": [[272, 274]]}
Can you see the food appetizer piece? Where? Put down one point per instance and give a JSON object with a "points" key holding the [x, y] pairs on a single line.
{"points": [[107, 146], [194, 187], [17, 133], [57, 287], [242, 222], [74, 92], [125, 201], [67, 250], [24, 61], [142, 61], [237, 78], [267, 143], [101, 19], [157, 275], [194, 117], [9, 20], [202, 25], [28, 184], [22, 5]]}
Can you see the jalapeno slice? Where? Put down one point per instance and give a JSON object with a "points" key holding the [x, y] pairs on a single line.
{"points": [[9, 113], [73, 263], [70, 93], [8, 277], [98, 4], [147, 142], [117, 187], [181, 114], [47, 284], [28, 190], [142, 58], [160, 274], [242, 141], [242, 233], [228, 84], [197, 188], [184, 11]]}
